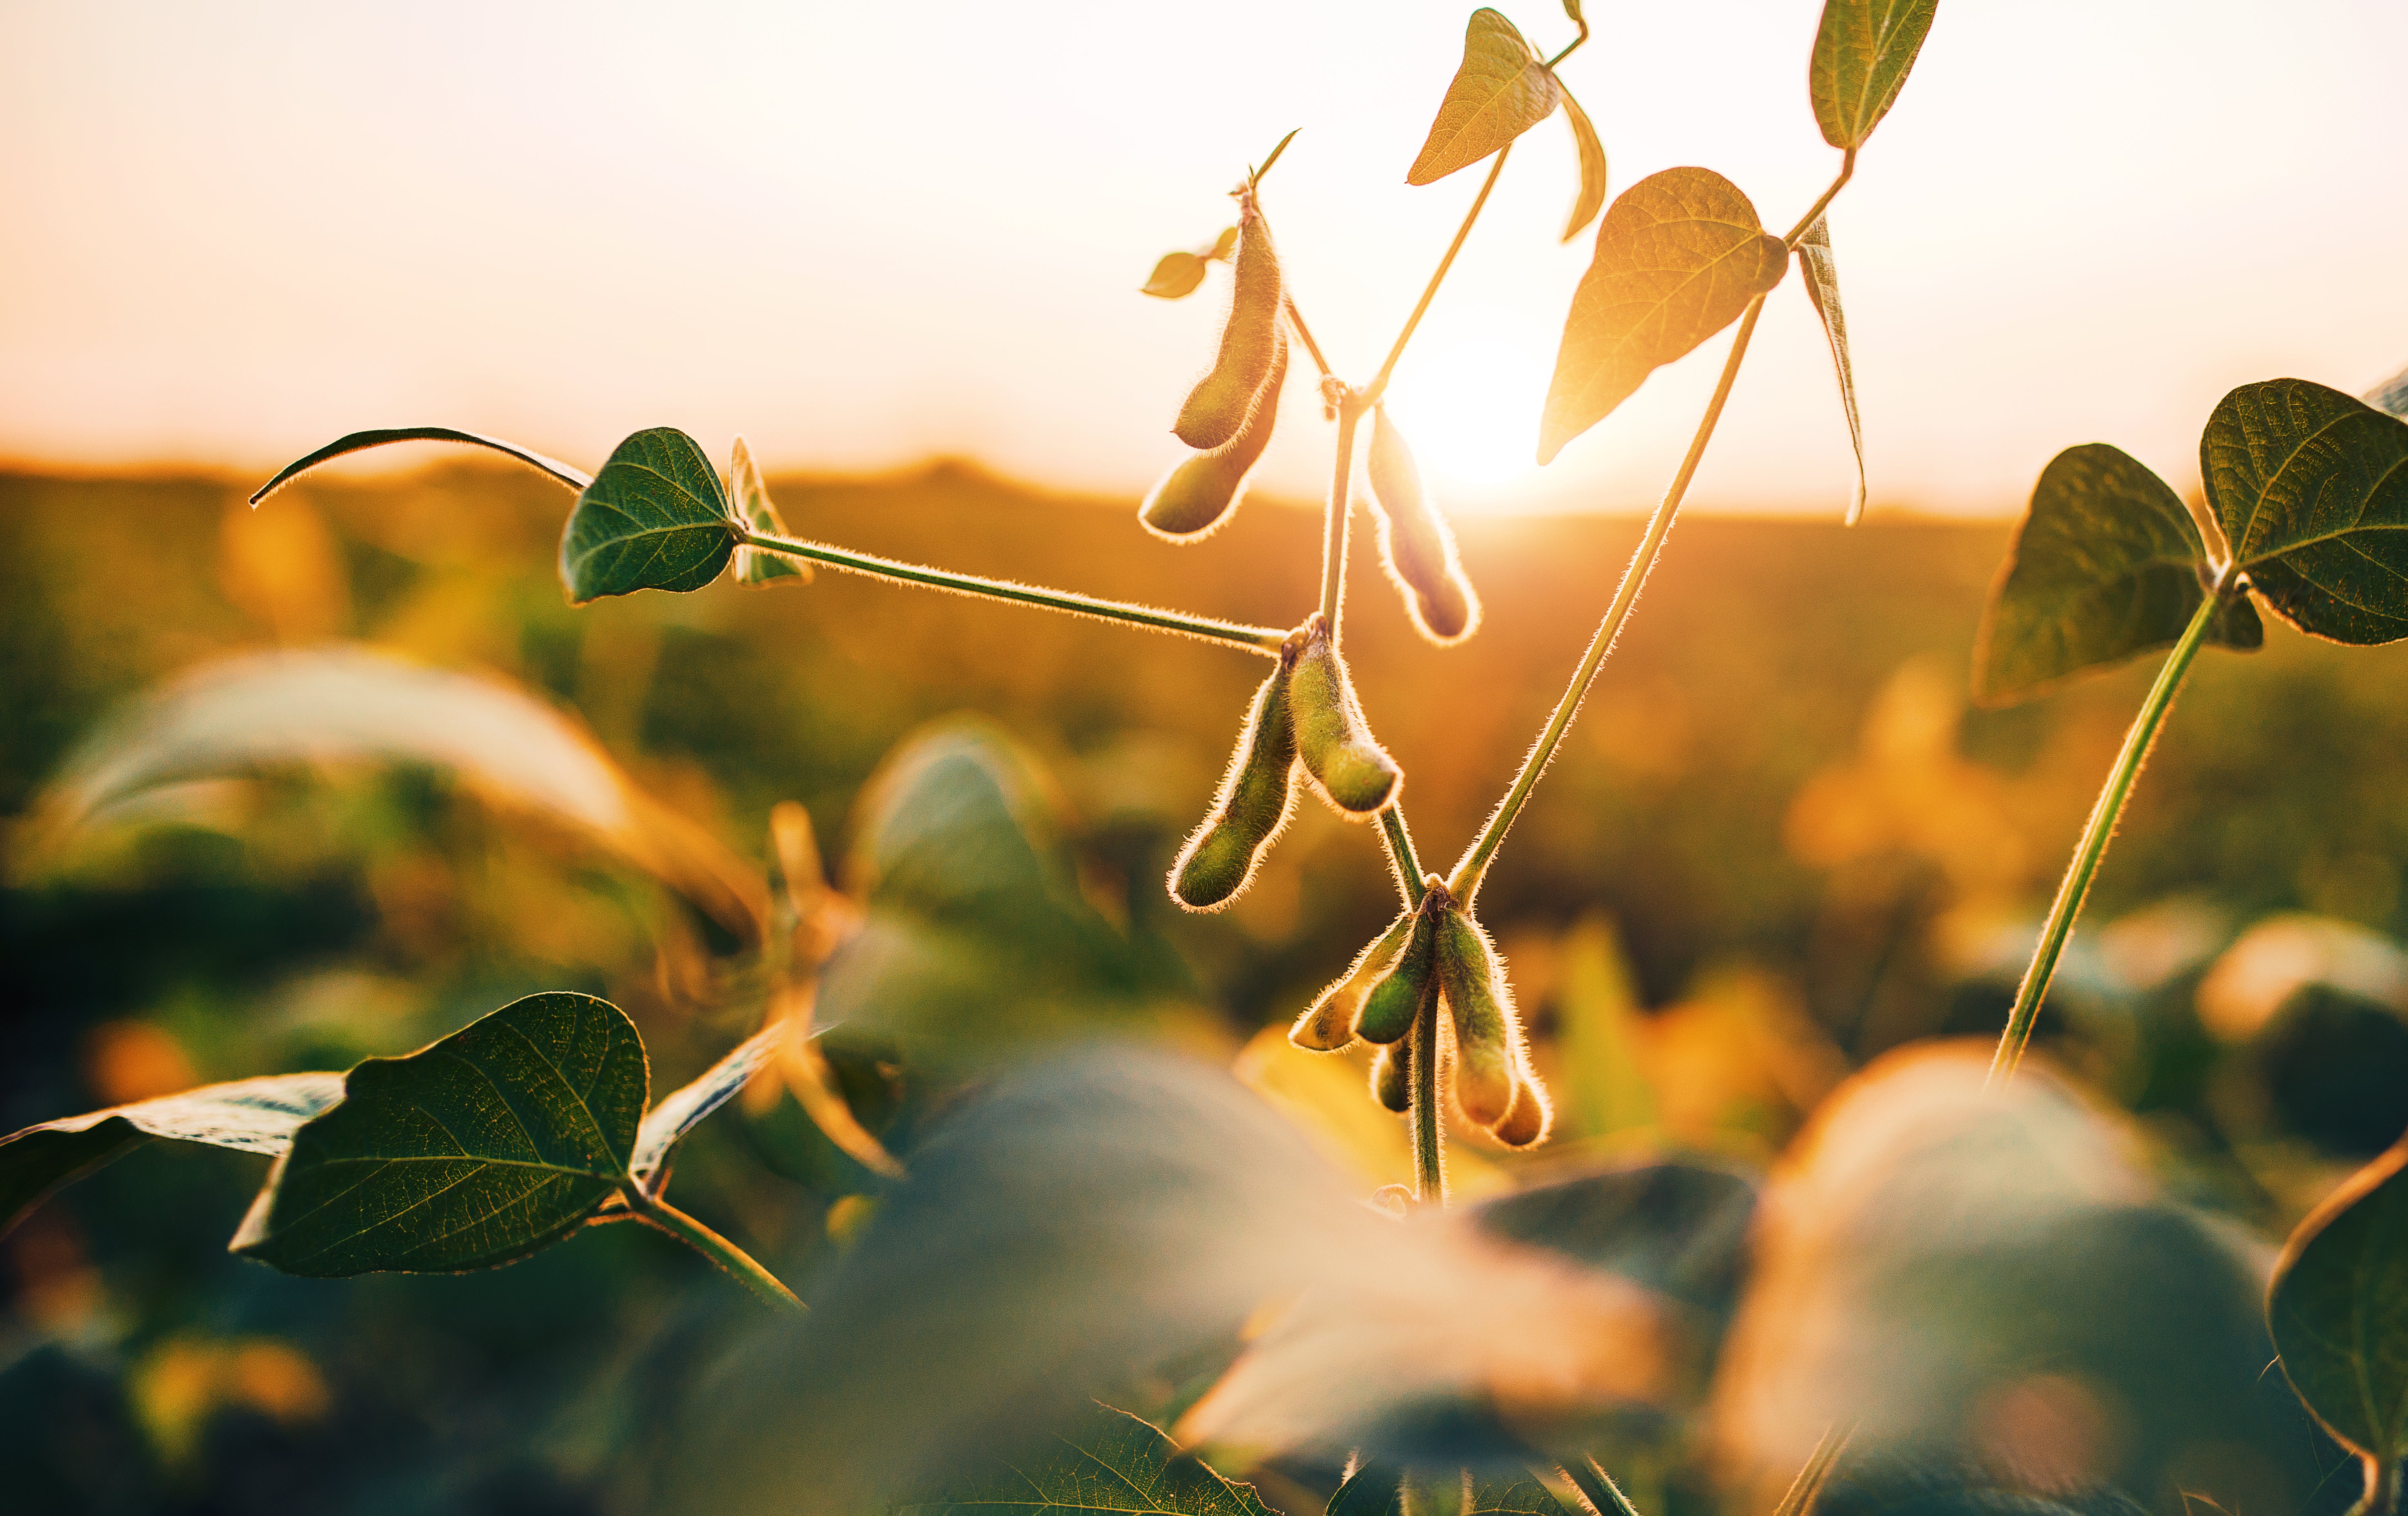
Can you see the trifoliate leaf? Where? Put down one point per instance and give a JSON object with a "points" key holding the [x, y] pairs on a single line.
{"points": [[655, 517], [1501, 91]]}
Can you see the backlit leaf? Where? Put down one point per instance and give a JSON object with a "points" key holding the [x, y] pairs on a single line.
{"points": [[750, 499], [683, 1110], [1573, 8], [1679, 256], [358, 441], [2391, 395], [1223, 245], [1501, 91], [1592, 166], [2338, 1307], [471, 1151], [655, 517], [2311, 488], [248, 1115], [1862, 53], [1822, 287], [1371, 1490], [1176, 276], [1525, 1497], [2108, 564], [1112, 1464], [1258, 175]]}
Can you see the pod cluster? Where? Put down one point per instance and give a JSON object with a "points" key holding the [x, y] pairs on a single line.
{"points": [[1304, 721], [1435, 960], [1228, 417]]}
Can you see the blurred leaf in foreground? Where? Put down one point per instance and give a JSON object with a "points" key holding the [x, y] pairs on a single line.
{"points": [[1112, 1463], [2339, 1310]]}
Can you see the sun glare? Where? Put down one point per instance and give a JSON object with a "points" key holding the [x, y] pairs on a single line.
{"points": [[1469, 404]]}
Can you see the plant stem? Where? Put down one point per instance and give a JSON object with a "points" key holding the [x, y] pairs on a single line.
{"points": [[1596, 1487], [1465, 882], [1304, 334], [2075, 886], [702, 1239], [1814, 212], [1263, 639], [1336, 518], [1429, 1120], [1402, 862], [1379, 385]]}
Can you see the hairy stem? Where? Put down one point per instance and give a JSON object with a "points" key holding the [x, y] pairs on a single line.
{"points": [[1465, 882], [1814, 212], [1403, 861], [1263, 639], [2075, 886], [702, 1239], [1336, 518], [1304, 334], [1379, 385], [1596, 1487], [1429, 1118]]}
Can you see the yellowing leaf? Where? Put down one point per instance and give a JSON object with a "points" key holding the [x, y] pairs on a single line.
{"points": [[1862, 53], [1501, 91], [1592, 166], [1175, 278], [1678, 257], [1823, 288]]}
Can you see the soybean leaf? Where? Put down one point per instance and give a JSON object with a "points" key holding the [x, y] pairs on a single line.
{"points": [[1256, 175], [683, 1110], [1371, 1490], [1525, 1497], [655, 517], [474, 1151], [1822, 287], [749, 499], [1862, 53], [575, 478], [1678, 1226], [248, 1115], [1501, 91], [2311, 488], [1573, 8], [1592, 166], [2338, 1307], [2391, 395], [1223, 245], [2108, 564], [1112, 1463], [1175, 278], [1678, 257]]}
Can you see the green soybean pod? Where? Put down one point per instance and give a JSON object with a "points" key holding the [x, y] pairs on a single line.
{"points": [[1350, 770], [1474, 986], [1392, 1076], [1255, 797], [1217, 407], [1396, 996], [1328, 1025], [1203, 490], [1415, 543]]}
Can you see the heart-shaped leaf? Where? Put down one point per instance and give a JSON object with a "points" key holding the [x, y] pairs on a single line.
{"points": [[2338, 1307], [1501, 91], [1823, 288], [1592, 166], [749, 499], [576, 479], [2391, 396], [1679, 256], [2108, 564], [683, 1110], [655, 517], [2311, 488], [1112, 1464], [248, 1115], [474, 1151], [1175, 278], [1862, 53]]}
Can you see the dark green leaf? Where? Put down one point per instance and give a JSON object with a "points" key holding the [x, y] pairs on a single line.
{"points": [[2311, 488], [2338, 1307], [1823, 288], [1178, 276], [1112, 1465], [357, 441], [250, 1115], [758, 514], [1592, 166], [1679, 256], [1525, 1497], [2108, 564], [2391, 395], [1371, 1490], [1678, 1226], [683, 1110], [1862, 53], [1501, 91], [655, 517], [474, 1151]]}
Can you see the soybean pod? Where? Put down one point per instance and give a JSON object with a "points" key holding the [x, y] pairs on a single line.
{"points": [[1476, 995], [1202, 492], [1352, 771], [1328, 1025], [1415, 542], [1217, 409], [1395, 997], [1532, 1115], [1255, 797], [1392, 1076]]}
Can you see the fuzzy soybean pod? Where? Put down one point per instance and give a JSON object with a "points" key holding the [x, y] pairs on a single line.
{"points": [[1473, 981], [1392, 1076], [1533, 1115], [1256, 795], [1328, 1025], [1350, 769], [1415, 542], [1217, 407], [1396, 996], [1202, 492]]}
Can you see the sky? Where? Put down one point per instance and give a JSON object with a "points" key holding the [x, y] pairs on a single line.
{"points": [[864, 236]]}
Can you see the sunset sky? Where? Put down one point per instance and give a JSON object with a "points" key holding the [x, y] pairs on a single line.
{"points": [[863, 236]]}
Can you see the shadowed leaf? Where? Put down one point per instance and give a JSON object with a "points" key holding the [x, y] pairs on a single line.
{"points": [[248, 1115], [473, 1151], [750, 499], [1862, 53], [1677, 1226], [1501, 91], [2338, 1307], [1371, 1490], [1175, 278], [683, 1110], [1110, 1465], [655, 517], [1679, 256], [1822, 287], [2311, 488], [2108, 564], [360, 441], [1524, 1497], [1592, 166]]}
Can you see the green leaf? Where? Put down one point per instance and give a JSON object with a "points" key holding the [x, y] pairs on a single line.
{"points": [[1178, 276], [1679, 256], [1525, 1497], [248, 1115], [1822, 287], [655, 517], [1112, 1464], [2108, 564], [1862, 53], [1501, 91], [476, 1150], [1678, 1226], [683, 1110], [1592, 166], [2311, 488], [357, 441], [1371, 1490], [2338, 1307], [2391, 396], [750, 499], [1256, 175]]}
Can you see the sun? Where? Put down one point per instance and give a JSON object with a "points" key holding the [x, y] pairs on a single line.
{"points": [[1469, 404]]}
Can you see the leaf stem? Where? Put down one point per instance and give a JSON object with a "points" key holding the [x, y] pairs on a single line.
{"points": [[1336, 518], [1403, 861], [2075, 886], [1429, 1120], [1379, 385], [1814, 212], [1304, 334], [1464, 882], [1263, 639], [2382, 1495], [1596, 1487], [702, 1239]]}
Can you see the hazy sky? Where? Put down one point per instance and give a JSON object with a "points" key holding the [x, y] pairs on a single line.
{"points": [[862, 234]]}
